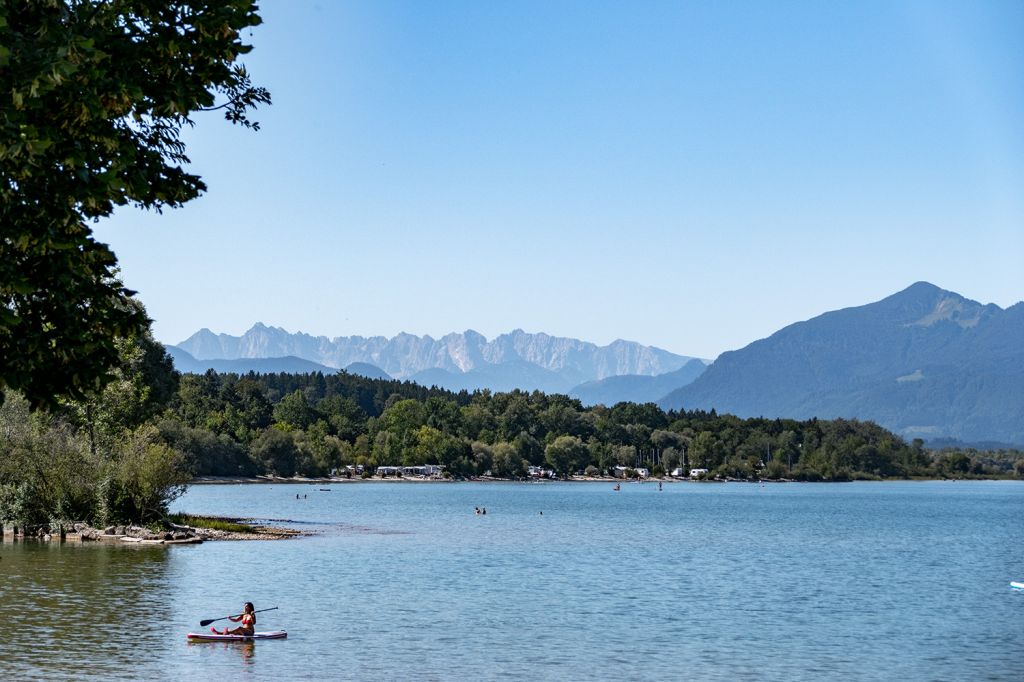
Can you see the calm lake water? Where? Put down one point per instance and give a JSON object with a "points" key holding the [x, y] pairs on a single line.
{"points": [[859, 581]]}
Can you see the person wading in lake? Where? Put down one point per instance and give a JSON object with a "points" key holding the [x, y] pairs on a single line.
{"points": [[248, 626]]}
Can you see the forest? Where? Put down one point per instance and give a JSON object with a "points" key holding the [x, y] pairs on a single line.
{"points": [[311, 424]]}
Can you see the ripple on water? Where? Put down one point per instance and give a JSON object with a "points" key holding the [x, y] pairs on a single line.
{"points": [[802, 582]]}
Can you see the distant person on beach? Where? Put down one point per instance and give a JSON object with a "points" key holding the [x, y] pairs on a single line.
{"points": [[248, 626]]}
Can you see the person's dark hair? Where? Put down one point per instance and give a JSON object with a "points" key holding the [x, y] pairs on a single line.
{"points": [[249, 606]]}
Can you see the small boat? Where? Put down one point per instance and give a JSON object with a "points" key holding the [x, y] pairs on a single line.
{"points": [[210, 637], [1017, 586]]}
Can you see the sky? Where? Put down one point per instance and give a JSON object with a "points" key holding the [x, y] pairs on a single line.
{"points": [[688, 175]]}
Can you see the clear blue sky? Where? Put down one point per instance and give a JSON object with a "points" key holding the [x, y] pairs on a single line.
{"points": [[692, 175]]}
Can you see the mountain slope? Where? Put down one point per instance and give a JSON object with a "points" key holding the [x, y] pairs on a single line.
{"points": [[504, 376], [184, 362], [636, 388], [365, 369], [924, 362]]}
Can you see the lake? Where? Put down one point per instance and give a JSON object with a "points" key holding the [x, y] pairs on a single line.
{"points": [[855, 581]]}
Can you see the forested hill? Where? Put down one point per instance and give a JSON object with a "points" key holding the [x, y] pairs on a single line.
{"points": [[924, 362], [313, 423]]}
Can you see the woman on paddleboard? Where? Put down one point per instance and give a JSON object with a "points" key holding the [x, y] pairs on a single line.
{"points": [[248, 626]]}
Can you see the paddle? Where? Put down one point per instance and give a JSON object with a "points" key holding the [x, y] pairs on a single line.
{"points": [[204, 623]]}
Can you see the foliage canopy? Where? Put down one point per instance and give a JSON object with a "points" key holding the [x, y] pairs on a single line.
{"points": [[93, 98], [97, 460]]}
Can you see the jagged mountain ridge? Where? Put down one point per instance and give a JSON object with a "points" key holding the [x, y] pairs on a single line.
{"points": [[405, 355], [924, 362]]}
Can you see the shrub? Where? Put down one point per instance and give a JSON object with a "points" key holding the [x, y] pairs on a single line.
{"points": [[142, 478]]}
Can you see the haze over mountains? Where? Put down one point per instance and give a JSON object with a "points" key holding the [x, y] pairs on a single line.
{"points": [[637, 388], [924, 362], [184, 362], [455, 361]]}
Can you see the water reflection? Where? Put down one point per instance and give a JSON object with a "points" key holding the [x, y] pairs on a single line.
{"points": [[92, 594], [246, 650]]}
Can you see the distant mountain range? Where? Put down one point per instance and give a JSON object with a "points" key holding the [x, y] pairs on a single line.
{"points": [[456, 361], [924, 362]]}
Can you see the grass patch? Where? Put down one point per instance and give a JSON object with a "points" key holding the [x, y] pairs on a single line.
{"points": [[208, 522]]}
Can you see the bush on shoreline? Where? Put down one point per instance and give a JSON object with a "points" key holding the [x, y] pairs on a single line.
{"points": [[98, 460]]}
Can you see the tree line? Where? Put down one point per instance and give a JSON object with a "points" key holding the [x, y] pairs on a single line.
{"points": [[312, 424]]}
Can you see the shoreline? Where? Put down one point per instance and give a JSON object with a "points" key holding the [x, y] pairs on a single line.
{"points": [[256, 531], [298, 480], [177, 534], [269, 479]]}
